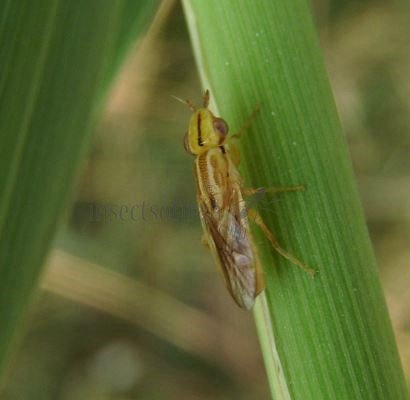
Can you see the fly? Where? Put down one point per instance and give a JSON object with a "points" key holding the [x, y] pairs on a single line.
{"points": [[224, 215]]}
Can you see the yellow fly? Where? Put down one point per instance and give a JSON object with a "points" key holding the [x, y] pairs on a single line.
{"points": [[224, 216]]}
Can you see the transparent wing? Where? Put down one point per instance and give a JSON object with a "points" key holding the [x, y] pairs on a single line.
{"points": [[229, 238]]}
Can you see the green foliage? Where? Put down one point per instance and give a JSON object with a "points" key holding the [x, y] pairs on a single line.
{"points": [[330, 337], [55, 59]]}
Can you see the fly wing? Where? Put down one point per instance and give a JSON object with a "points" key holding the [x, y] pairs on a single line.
{"points": [[229, 238]]}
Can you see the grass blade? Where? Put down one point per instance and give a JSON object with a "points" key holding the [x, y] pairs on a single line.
{"points": [[57, 58], [327, 338]]}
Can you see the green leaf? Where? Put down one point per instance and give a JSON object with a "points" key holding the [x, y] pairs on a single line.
{"points": [[330, 337], [57, 58]]}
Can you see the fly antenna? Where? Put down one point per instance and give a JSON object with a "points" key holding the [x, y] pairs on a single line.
{"points": [[206, 98], [186, 102]]}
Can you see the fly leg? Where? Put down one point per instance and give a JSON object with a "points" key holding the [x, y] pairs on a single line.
{"points": [[233, 148], [254, 216], [247, 123], [258, 192], [205, 241], [279, 189]]}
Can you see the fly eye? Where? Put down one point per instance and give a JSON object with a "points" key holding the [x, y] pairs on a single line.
{"points": [[220, 126], [186, 143]]}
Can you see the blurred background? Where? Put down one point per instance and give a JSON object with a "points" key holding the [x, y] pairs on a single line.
{"points": [[131, 305]]}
